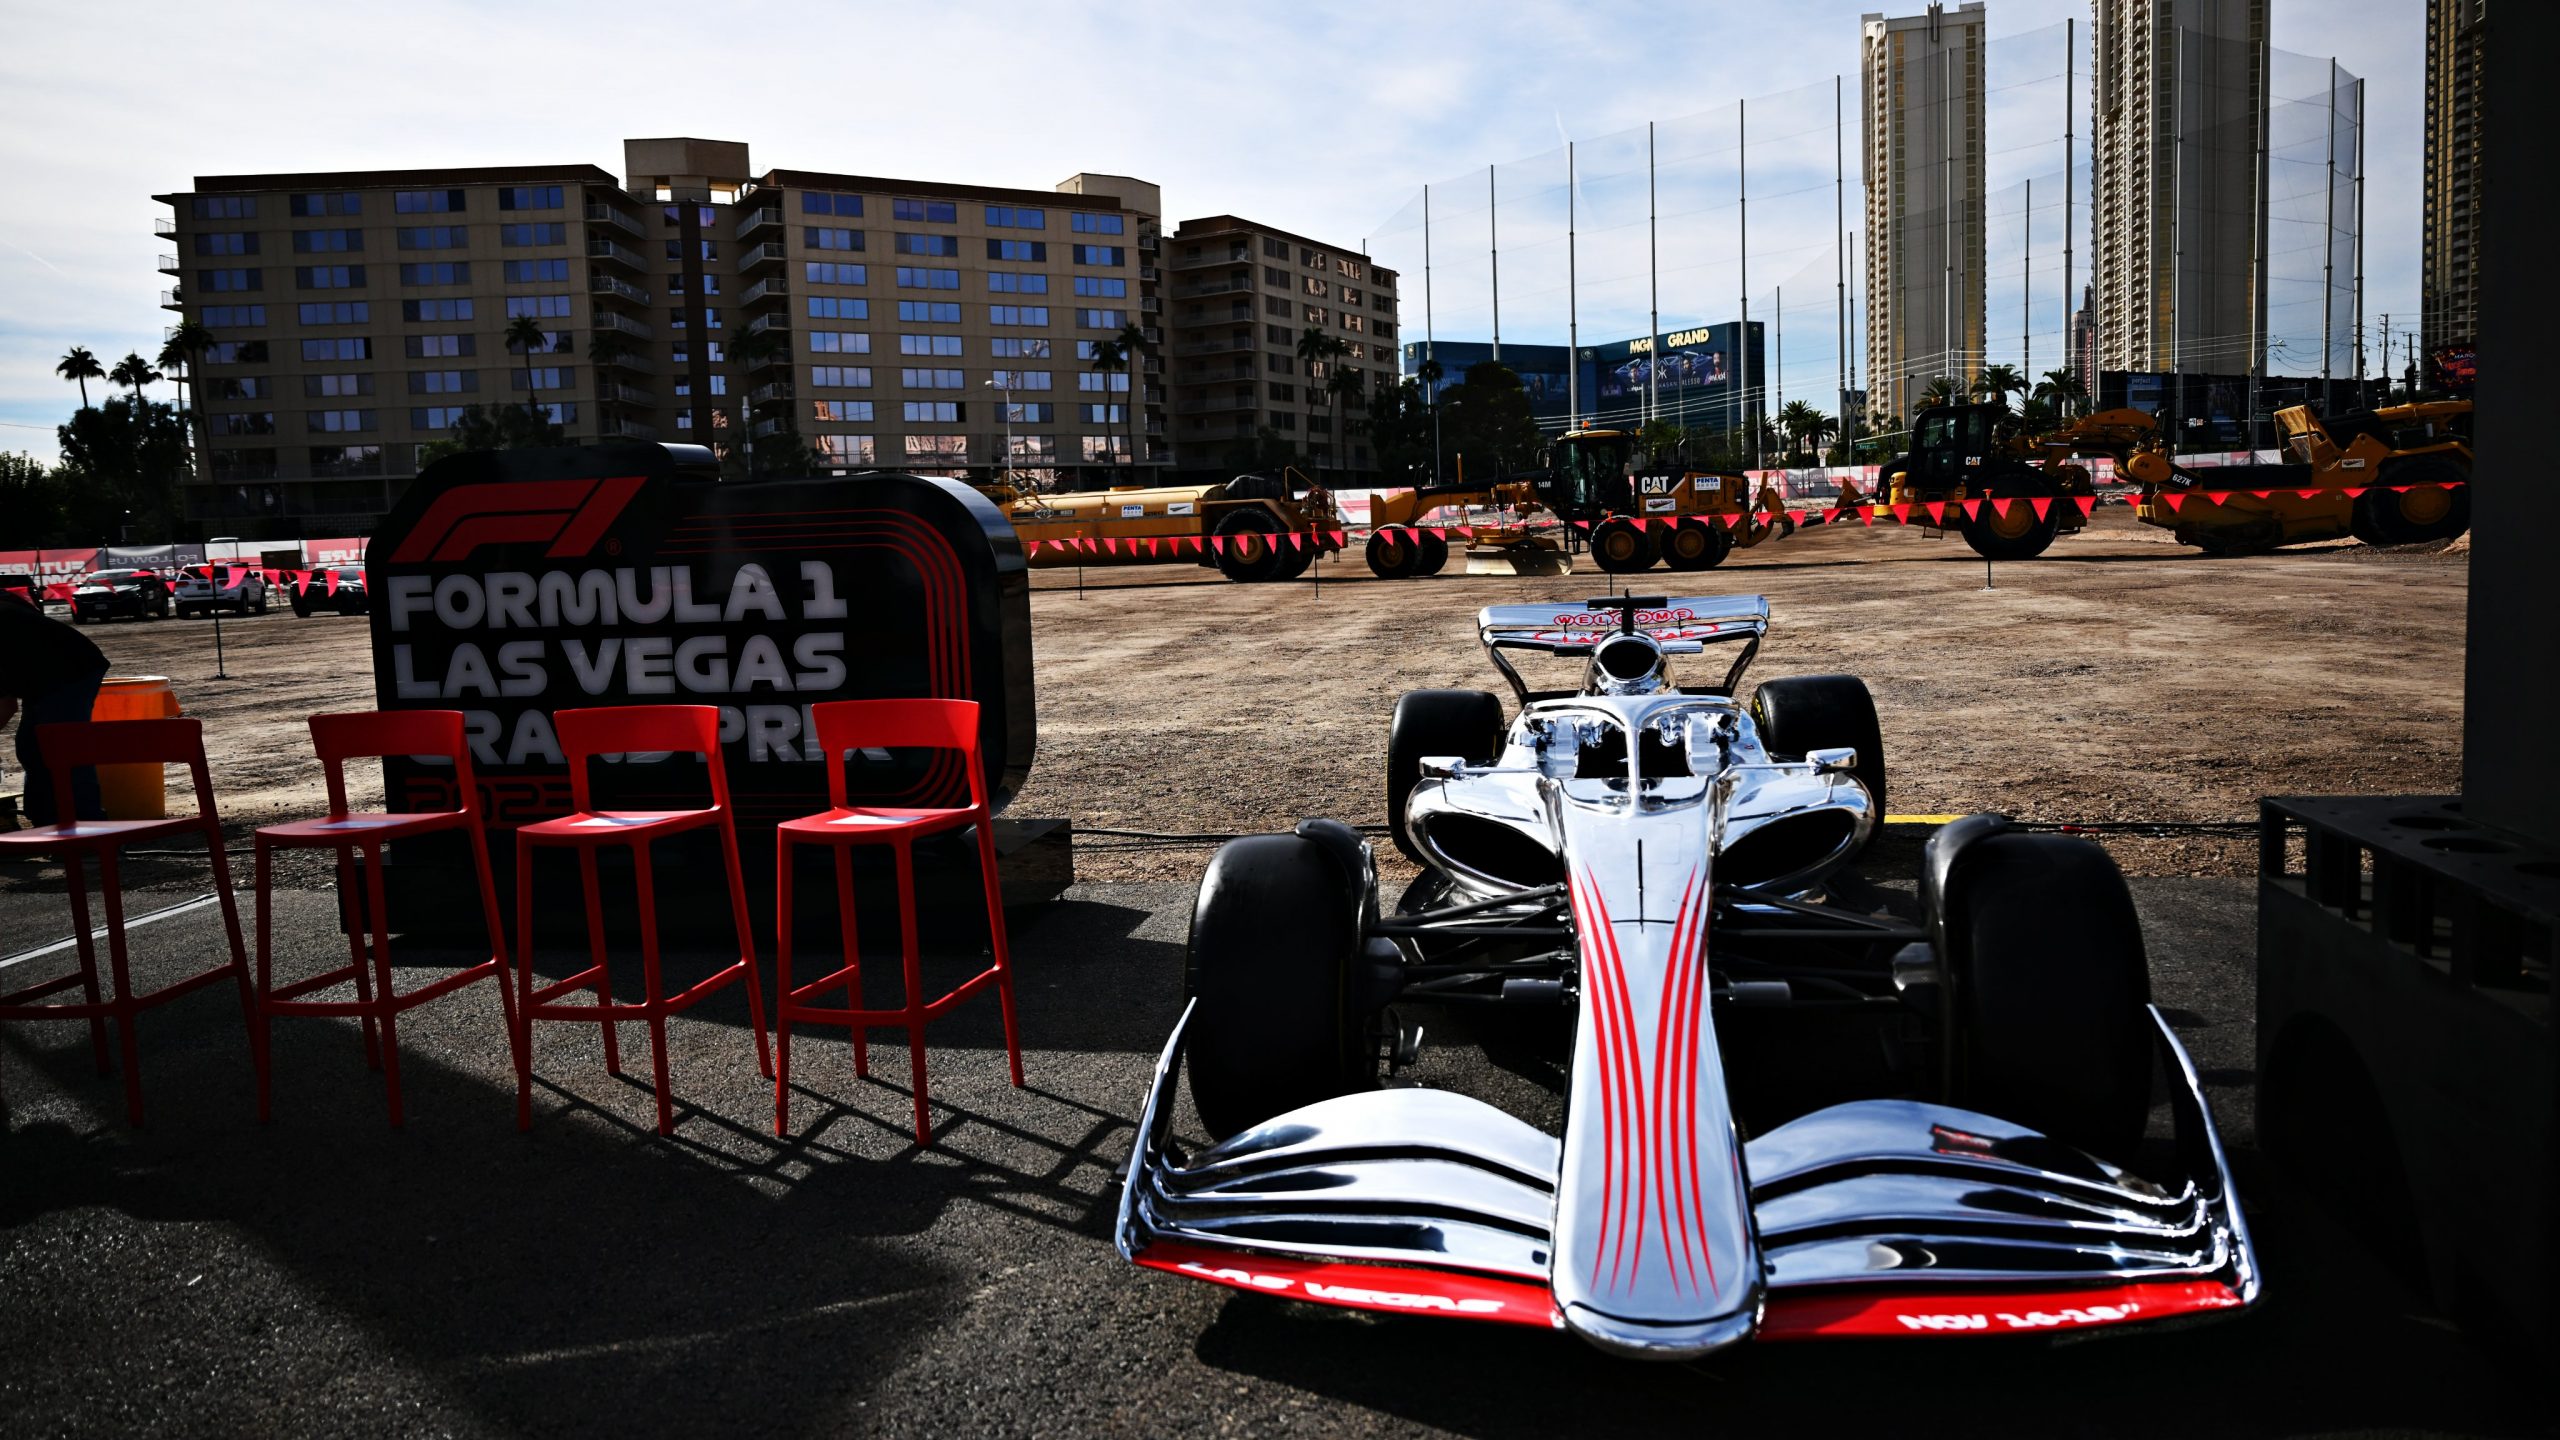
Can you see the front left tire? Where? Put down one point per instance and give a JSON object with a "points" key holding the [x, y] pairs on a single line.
{"points": [[1280, 1018], [1464, 723]]}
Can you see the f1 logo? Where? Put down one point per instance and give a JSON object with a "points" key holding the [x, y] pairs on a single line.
{"points": [[570, 514]]}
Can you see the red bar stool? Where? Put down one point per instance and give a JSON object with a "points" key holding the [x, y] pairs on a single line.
{"points": [[338, 739], [885, 725], [621, 730], [122, 742]]}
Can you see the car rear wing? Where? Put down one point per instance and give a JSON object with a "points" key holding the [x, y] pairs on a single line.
{"points": [[1678, 622]]}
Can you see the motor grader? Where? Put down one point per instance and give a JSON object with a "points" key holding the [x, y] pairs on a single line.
{"points": [[2392, 476], [1962, 453], [1241, 526], [1402, 546]]}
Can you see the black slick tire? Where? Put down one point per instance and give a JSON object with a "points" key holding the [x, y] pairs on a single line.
{"points": [[1464, 723], [2050, 981], [1272, 968], [1800, 714]]}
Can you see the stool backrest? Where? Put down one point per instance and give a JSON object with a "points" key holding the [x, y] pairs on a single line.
{"points": [[639, 729], [177, 740], [898, 725], [371, 734]]}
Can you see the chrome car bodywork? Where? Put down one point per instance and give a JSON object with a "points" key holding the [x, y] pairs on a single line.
{"points": [[1634, 822]]}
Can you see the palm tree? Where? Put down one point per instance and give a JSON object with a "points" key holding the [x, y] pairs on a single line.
{"points": [[133, 372], [80, 367], [1315, 348], [1797, 420], [526, 337], [1941, 391], [2063, 391], [1109, 356], [186, 347], [1343, 384], [1997, 382], [1133, 347]]}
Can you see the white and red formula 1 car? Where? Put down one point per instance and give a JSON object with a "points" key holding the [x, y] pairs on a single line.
{"points": [[1784, 1116]]}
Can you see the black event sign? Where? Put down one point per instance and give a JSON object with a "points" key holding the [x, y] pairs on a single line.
{"points": [[512, 584]]}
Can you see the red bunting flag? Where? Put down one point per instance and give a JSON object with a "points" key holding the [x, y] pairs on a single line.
{"points": [[1220, 541], [333, 582], [1440, 530], [1972, 509], [2043, 506], [2352, 491], [1340, 537], [2173, 500], [2306, 494], [2088, 504], [2402, 489], [1902, 512], [1867, 514], [1937, 512]]}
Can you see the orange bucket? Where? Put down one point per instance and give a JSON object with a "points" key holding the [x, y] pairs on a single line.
{"points": [[134, 792]]}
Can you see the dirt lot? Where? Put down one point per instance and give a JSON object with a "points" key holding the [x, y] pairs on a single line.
{"points": [[2121, 678]]}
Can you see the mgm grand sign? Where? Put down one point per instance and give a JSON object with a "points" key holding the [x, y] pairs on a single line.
{"points": [[512, 584]]}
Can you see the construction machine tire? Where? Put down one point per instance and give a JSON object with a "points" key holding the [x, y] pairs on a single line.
{"points": [[1395, 552], [1464, 723], [1623, 547], [1252, 552], [1296, 557], [1697, 545], [1435, 552], [2018, 535], [1800, 714], [2384, 516]]}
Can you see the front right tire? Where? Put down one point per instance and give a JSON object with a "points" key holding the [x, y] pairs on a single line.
{"points": [[1464, 723], [1280, 1018]]}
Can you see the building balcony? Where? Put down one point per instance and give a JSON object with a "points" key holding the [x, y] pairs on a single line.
{"points": [[163, 225], [1154, 335], [1216, 401], [622, 394], [1232, 255], [755, 257], [758, 219], [622, 324], [608, 215], [765, 429], [634, 361], [169, 265], [1218, 345], [169, 301], [779, 355], [627, 430], [1235, 430], [599, 248], [1149, 272], [772, 320], [772, 287], [1149, 242], [770, 392], [624, 290], [1227, 286], [1150, 305]]}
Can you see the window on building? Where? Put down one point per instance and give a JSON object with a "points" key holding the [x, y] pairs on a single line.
{"points": [[458, 272], [841, 412], [840, 377], [929, 345], [939, 245], [1035, 447], [335, 202], [339, 312], [1019, 347], [932, 212], [845, 449], [223, 207], [435, 417], [443, 382], [839, 342], [427, 311], [827, 202], [545, 377], [951, 449], [541, 307], [1317, 315], [333, 387], [426, 202], [1349, 296], [1280, 391], [932, 379], [1101, 254], [236, 352], [432, 237], [1102, 319], [1276, 305], [1275, 249], [917, 277], [327, 277], [1104, 380], [233, 317], [1017, 217], [525, 272], [1357, 324], [819, 237], [1008, 282], [1285, 420], [432, 347], [1106, 287], [226, 242], [839, 307], [1349, 269], [1028, 412], [830, 272], [1033, 250], [549, 232], [1279, 335], [249, 422], [935, 412], [1085, 222], [1023, 380], [330, 422], [227, 281], [530, 197], [1017, 314], [1106, 449], [931, 312]]}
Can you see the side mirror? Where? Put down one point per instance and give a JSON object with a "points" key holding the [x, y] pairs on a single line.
{"points": [[1837, 760], [1440, 767]]}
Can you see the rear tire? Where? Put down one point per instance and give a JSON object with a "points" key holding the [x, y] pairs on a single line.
{"points": [[1464, 723], [1435, 552], [2385, 517], [1280, 1018], [2019, 535], [2050, 981], [1804, 713], [1622, 547], [1395, 552], [1251, 553], [1697, 545]]}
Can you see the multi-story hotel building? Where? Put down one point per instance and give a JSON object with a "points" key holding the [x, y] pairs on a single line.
{"points": [[2451, 254], [891, 323], [1922, 147], [1243, 297]]}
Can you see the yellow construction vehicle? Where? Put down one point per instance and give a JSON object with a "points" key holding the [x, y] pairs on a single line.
{"points": [[1592, 476], [1241, 526], [2344, 476], [1961, 453], [1401, 546]]}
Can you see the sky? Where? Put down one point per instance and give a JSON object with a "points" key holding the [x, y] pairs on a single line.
{"points": [[1317, 117]]}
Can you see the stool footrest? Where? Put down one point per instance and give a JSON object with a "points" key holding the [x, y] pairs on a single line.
{"points": [[46, 988], [933, 1009], [543, 1008]]}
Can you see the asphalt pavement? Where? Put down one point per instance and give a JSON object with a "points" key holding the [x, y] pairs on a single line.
{"points": [[326, 1275]]}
